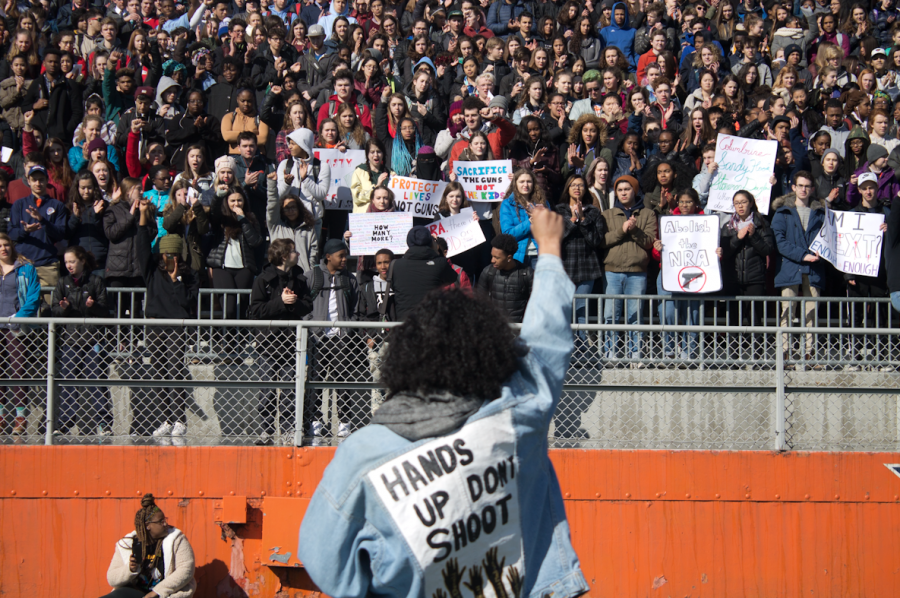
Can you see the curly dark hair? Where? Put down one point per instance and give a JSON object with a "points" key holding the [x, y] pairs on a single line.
{"points": [[452, 342]]}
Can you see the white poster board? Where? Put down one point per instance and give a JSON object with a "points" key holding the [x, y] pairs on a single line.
{"points": [[417, 197], [379, 230], [461, 232], [689, 260], [455, 501], [342, 165], [851, 241], [484, 181], [743, 164]]}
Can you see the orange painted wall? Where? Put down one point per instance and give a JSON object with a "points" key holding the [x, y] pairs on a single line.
{"points": [[644, 523]]}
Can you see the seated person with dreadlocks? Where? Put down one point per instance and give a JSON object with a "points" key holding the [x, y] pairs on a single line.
{"points": [[451, 485], [153, 560]]}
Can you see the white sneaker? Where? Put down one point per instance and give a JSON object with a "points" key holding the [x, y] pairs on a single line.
{"points": [[316, 429], [101, 431], [163, 430], [179, 429], [343, 430]]}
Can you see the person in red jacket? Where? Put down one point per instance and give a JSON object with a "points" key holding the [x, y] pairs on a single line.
{"points": [[344, 93], [475, 113]]}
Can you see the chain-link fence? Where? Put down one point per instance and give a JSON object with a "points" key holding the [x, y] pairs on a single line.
{"points": [[730, 374]]}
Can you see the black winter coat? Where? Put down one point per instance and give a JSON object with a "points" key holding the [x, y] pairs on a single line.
{"points": [[744, 260], [419, 272], [250, 238], [265, 298], [508, 290], [164, 298], [120, 227], [87, 231], [77, 296]]}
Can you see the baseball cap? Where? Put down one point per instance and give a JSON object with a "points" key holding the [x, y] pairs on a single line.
{"points": [[455, 13], [316, 31], [37, 170], [867, 177], [146, 91], [878, 51]]}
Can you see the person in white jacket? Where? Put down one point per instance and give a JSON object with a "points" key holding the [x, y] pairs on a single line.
{"points": [[153, 560], [305, 173]]}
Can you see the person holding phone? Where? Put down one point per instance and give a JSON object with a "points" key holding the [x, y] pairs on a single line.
{"points": [[154, 560]]}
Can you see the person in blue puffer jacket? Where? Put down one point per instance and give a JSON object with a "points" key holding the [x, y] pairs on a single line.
{"points": [[621, 34], [516, 211], [451, 483], [20, 297]]}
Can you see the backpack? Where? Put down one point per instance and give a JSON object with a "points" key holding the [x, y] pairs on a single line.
{"points": [[318, 283]]}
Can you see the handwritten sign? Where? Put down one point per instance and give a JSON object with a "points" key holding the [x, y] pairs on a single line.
{"points": [[417, 197], [851, 241], [689, 260], [743, 164], [461, 232], [455, 500], [342, 165], [379, 230], [484, 181]]}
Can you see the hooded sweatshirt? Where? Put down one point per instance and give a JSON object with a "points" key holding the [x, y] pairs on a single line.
{"points": [[165, 84], [313, 188], [327, 22], [622, 37]]}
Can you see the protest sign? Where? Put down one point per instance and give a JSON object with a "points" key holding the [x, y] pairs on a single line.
{"points": [[487, 180], [743, 164], [689, 260], [342, 165], [417, 197], [851, 241], [455, 500], [379, 230], [461, 232]]}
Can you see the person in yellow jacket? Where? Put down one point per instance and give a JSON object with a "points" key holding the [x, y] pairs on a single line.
{"points": [[368, 176]]}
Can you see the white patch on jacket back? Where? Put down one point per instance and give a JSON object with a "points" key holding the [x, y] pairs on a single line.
{"points": [[455, 500]]}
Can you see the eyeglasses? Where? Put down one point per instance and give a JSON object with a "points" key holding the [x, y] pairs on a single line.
{"points": [[164, 520], [576, 186], [291, 206], [592, 89]]}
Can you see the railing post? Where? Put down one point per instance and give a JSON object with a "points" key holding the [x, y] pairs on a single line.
{"points": [[780, 424], [51, 382], [300, 382]]}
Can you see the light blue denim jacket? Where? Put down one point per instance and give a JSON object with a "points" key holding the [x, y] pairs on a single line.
{"points": [[418, 519]]}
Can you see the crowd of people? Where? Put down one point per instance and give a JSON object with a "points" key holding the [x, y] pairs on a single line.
{"points": [[173, 147]]}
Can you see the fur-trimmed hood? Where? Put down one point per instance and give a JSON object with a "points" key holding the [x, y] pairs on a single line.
{"points": [[790, 201]]}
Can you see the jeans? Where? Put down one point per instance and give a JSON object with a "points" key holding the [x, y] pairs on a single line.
{"points": [[683, 312], [581, 309], [82, 358], [623, 283], [276, 362]]}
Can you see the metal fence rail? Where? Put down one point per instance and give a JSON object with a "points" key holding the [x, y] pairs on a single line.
{"points": [[119, 381]]}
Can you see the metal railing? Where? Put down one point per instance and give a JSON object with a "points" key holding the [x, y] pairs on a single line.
{"points": [[119, 381]]}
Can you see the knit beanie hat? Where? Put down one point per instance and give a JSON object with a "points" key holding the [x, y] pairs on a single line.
{"points": [[333, 246], [875, 152], [96, 144], [225, 163], [500, 101], [171, 244], [627, 179]]}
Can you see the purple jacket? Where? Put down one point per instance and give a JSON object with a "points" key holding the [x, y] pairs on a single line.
{"points": [[888, 187]]}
